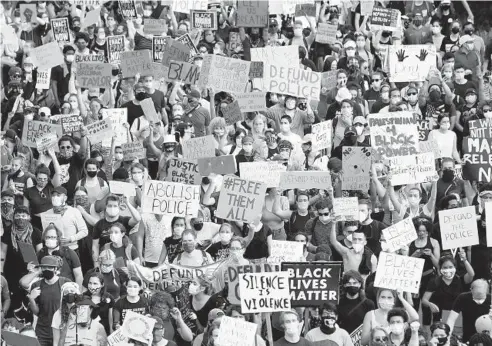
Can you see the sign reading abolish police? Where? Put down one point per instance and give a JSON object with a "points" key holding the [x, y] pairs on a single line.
{"points": [[311, 284], [163, 197], [394, 133], [458, 227], [264, 292]]}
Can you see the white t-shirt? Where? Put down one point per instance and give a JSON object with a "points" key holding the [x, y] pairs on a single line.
{"points": [[83, 334]]}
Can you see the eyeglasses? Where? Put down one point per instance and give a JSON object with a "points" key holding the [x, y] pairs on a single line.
{"points": [[324, 214], [410, 94], [65, 147]]}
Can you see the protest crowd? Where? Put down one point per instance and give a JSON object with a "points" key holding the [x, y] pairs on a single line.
{"points": [[246, 172]]}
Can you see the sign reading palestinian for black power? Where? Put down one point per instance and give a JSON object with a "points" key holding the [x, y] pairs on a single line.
{"points": [[311, 284]]}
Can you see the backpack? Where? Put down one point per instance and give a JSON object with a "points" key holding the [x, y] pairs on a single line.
{"points": [[204, 255]]}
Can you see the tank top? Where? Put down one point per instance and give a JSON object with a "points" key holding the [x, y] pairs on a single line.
{"points": [[428, 263]]}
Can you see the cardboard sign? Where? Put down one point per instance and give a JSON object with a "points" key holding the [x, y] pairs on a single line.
{"points": [[251, 102], [292, 81], [92, 75], [195, 148], [96, 58], [134, 150], [233, 273], [181, 171], [328, 80], [188, 42], [122, 188], [158, 47], [286, 251], [206, 20], [128, 9], [385, 19], [232, 113], [16, 339], [267, 172], [305, 10], [219, 165], [160, 72], [356, 166], [397, 272], [488, 222], [346, 209], [264, 292], [476, 152], [116, 45], [430, 146], [323, 133], [154, 26], [253, 14], [458, 227], [411, 63], [176, 51], [49, 218], [28, 13], [235, 331], [240, 200], [480, 128], [327, 33], [399, 235], [413, 169], [119, 117], [224, 74], [60, 29], [138, 61], [306, 179], [356, 335], [149, 110], [256, 69], [117, 338], [366, 8], [138, 327], [47, 56], [183, 71], [184, 6], [163, 197], [312, 284], [394, 134], [99, 130], [270, 55], [27, 252], [34, 129], [47, 141], [92, 17], [44, 79]]}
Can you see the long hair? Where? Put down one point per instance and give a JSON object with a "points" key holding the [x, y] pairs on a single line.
{"points": [[100, 277]]}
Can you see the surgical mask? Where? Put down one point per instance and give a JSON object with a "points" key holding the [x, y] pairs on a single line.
{"points": [[116, 238], [396, 328], [29, 116], [51, 243], [225, 237], [448, 273], [147, 13], [487, 115], [91, 174], [361, 44], [132, 292], [385, 305], [28, 69], [194, 289], [358, 248], [112, 211], [359, 130], [362, 217], [178, 230], [436, 30], [350, 52], [444, 126], [69, 58], [471, 99], [106, 270], [298, 32], [118, 157], [57, 201], [292, 329], [48, 274], [189, 247]]}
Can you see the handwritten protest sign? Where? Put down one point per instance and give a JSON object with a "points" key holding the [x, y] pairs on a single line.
{"points": [[476, 151], [47, 56], [252, 14], [346, 209], [480, 128], [185, 6], [134, 150], [47, 141], [235, 331], [256, 69], [366, 10], [399, 234], [327, 33], [164, 197], [305, 10], [206, 20], [292, 81], [356, 166], [158, 47], [397, 272], [458, 227], [138, 61], [149, 110], [183, 71], [306, 179], [116, 45], [34, 129], [154, 26], [385, 19], [240, 199], [288, 55], [488, 222], [49, 218], [233, 273], [311, 284], [176, 51], [99, 130], [264, 292], [394, 134], [356, 335], [137, 326], [92, 17], [413, 169], [232, 113], [225, 164], [286, 251], [224, 74], [117, 338], [93, 75], [328, 80], [430, 146], [322, 135], [70, 123], [44, 79], [182, 171], [122, 188], [128, 9], [251, 102], [28, 13], [411, 63], [267, 172], [61, 31], [195, 148], [97, 58], [118, 118]]}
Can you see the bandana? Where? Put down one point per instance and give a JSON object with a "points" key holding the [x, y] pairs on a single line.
{"points": [[23, 235]]}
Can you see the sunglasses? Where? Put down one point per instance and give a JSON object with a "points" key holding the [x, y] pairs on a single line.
{"points": [[410, 94], [486, 110], [324, 214], [376, 80]]}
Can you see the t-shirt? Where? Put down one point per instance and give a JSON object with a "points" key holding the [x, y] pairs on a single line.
{"points": [[80, 334], [120, 252], [351, 312], [339, 337], [301, 342], [159, 100], [173, 247], [219, 251], [39, 203], [123, 306], [470, 311], [70, 261], [200, 118], [320, 234], [134, 111], [71, 172], [101, 229], [15, 266]]}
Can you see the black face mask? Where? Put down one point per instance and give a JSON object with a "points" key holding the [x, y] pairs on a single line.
{"points": [[448, 175], [254, 37], [386, 34], [351, 140], [469, 31], [205, 180], [445, 7], [442, 341], [70, 298], [302, 106], [198, 226], [141, 96], [325, 328], [417, 22], [352, 290], [455, 30], [76, 28], [91, 174], [48, 274]]}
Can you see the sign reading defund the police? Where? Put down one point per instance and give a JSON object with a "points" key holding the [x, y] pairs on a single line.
{"points": [[264, 292], [311, 284], [397, 272], [167, 198], [458, 227]]}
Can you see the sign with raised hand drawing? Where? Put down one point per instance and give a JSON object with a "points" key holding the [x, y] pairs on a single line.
{"points": [[411, 63]]}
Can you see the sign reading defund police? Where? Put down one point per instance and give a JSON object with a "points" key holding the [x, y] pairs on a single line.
{"points": [[311, 284]]}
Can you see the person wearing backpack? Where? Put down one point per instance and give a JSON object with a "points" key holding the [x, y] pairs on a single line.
{"points": [[92, 183]]}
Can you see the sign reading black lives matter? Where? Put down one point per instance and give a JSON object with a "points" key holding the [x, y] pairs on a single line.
{"points": [[311, 284]]}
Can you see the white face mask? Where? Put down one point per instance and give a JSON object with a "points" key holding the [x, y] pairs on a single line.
{"points": [[115, 238], [225, 237], [57, 201], [349, 237], [51, 243], [297, 32], [69, 58], [435, 30], [487, 115], [292, 329], [359, 130], [194, 289], [385, 305], [350, 52], [112, 211], [178, 230], [118, 157], [396, 328], [413, 200], [147, 13], [448, 273], [358, 248], [362, 217]]}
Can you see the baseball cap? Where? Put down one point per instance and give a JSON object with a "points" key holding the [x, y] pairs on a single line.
{"points": [[193, 94], [48, 261], [169, 139], [8, 193], [214, 313], [10, 134], [466, 38], [308, 138], [360, 120], [350, 129], [15, 71], [60, 190], [412, 88], [471, 91]]}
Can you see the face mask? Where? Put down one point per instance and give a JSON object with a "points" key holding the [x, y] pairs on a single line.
{"points": [[292, 329], [413, 200], [385, 306], [237, 254], [115, 238], [417, 22], [442, 341], [255, 36], [70, 298], [147, 13], [91, 174], [141, 96], [28, 69], [29, 116], [359, 130], [435, 96], [69, 58], [57, 201], [396, 329], [194, 289], [178, 230], [132, 292], [436, 30], [118, 157], [385, 96], [349, 237], [455, 30], [351, 140], [350, 52], [112, 211], [298, 32], [471, 99], [329, 322], [352, 290], [106, 270], [7, 210], [51, 243], [358, 248], [48, 274], [198, 226], [469, 31], [448, 273], [302, 205], [225, 237], [488, 115], [386, 34], [94, 290], [21, 223], [448, 175]]}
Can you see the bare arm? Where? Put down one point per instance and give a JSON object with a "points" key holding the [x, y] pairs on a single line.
{"points": [[342, 250]]}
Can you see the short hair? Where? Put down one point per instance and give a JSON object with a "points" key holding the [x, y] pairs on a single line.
{"points": [[352, 274], [120, 226], [302, 193], [91, 161], [133, 278], [366, 202], [42, 169], [440, 325], [216, 123], [447, 159], [189, 231], [59, 233], [288, 117], [240, 240], [288, 312], [329, 306], [112, 198], [480, 339], [447, 258], [478, 282], [444, 202], [82, 35], [323, 204], [66, 139], [21, 209], [397, 312]]}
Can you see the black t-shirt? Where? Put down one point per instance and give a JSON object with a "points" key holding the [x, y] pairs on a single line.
{"points": [[101, 229], [447, 43], [134, 111], [174, 247], [37, 203], [123, 306], [443, 295], [58, 75], [75, 170], [219, 251], [70, 261], [297, 224], [351, 312], [470, 311], [15, 266], [373, 235], [113, 281], [159, 100]]}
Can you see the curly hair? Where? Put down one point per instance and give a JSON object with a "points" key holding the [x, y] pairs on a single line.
{"points": [[162, 297]]}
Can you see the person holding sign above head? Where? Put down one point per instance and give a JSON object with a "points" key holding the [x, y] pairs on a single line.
{"points": [[414, 208]]}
